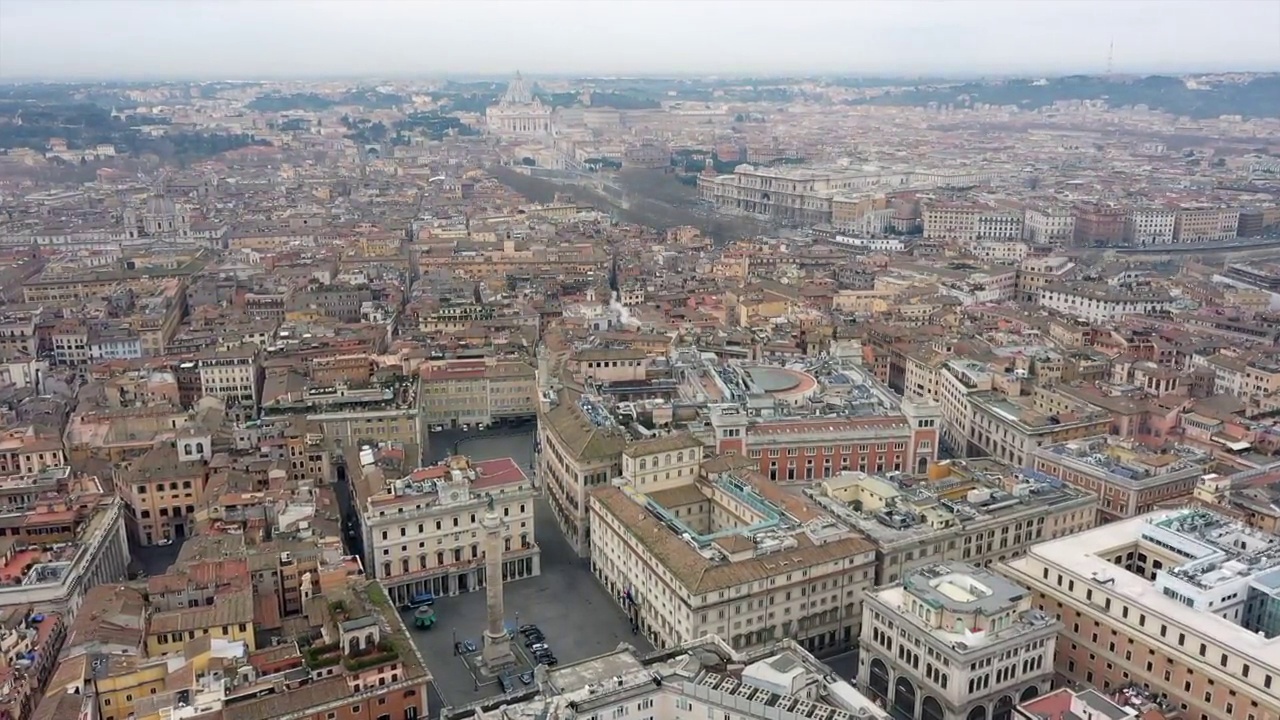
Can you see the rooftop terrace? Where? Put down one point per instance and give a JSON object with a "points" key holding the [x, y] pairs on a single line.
{"points": [[891, 510], [1128, 462]]}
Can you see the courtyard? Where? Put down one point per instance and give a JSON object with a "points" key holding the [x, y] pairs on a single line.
{"points": [[575, 613]]}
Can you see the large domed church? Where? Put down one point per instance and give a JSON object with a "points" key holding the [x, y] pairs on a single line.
{"points": [[519, 112]]}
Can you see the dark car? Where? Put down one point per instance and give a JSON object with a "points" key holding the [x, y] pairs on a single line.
{"points": [[527, 628], [505, 682], [548, 660], [458, 649], [533, 643]]}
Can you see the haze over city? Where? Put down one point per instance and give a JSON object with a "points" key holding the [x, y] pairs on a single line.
{"points": [[229, 39], [764, 360]]}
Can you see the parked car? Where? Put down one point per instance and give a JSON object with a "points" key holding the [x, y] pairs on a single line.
{"points": [[548, 660], [466, 427], [459, 649], [535, 636], [437, 428], [505, 683], [468, 646], [526, 678], [529, 628], [164, 541], [537, 646]]}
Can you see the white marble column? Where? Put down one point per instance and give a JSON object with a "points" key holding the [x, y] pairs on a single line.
{"points": [[497, 643]]}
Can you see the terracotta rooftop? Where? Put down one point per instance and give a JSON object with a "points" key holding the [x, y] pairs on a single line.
{"points": [[701, 575]]}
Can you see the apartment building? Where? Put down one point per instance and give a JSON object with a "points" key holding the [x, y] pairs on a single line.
{"points": [[729, 553], [579, 447], [662, 462], [704, 678], [951, 221], [984, 413], [61, 535], [231, 375], [971, 222], [421, 526], [158, 315], [1244, 377], [1098, 225], [18, 339], [1048, 224], [30, 642], [1128, 478], [955, 642], [228, 617], [163, 488], [1000, 224], [1205, 224], [1149, 226], [453, 316], [978, 511], [113, 343], [387, 412], [1011, 428], [1102, 302], [849, 211], [454, 393], [1037, 272], [359, 665], [981, 287], [1255, 502], [1177, 602], [341, 302], [791, 449], [1001, 251], [70, 342], [28, 450]]}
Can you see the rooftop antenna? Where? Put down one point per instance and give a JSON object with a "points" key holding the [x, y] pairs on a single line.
{"points": [[1111, 51]]}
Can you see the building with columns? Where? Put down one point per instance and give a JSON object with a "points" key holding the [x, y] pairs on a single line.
{"points": [[953, 641], [519, 113], [423, 528]]}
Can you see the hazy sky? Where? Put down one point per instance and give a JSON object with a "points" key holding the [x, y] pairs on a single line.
{"points": [[246, 39]]}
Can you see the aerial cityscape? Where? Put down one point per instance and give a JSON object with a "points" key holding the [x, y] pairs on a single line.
{"points": [[639, 360]]}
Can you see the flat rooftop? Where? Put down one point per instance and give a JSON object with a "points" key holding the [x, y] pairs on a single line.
{"points": [[1086, 555], [917, 511], [1127, 462]]}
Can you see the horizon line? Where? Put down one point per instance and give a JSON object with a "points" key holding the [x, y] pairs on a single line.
{"points": [[70, 79]]}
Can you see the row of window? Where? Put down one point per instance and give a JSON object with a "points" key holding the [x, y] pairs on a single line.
{"points": [[506, 512]]}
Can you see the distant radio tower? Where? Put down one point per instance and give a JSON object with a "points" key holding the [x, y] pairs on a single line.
{"points": [[1111, 51]]}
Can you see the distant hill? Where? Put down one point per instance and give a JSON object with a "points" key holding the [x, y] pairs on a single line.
{"points": [[1256, 97]]}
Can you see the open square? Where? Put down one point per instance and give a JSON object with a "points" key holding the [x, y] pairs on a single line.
{"points": [[575, 613]]}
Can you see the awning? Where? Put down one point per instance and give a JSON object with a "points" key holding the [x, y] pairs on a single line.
{"points": [[1233, 445]]}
